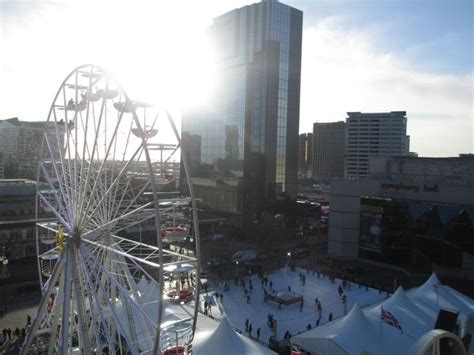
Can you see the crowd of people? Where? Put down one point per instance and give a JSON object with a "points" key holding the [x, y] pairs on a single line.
{"points": [[15, 336]]}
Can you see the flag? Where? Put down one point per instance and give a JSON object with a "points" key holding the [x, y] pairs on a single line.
{"points": [[436, 287], [295, 350], [390, 319]]}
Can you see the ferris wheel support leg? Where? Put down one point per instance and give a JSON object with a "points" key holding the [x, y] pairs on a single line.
{"points": [[38, 261], [98, 304], [66, 315], [123, 331], [56, 319], [118, 286], [131, 285], [129, 312], [42, 307], [78, 292]]}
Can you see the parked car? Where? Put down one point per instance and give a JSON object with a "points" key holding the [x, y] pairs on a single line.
{"points": [[262, 256], [217, 236], [244, 255], [300, 252], [214, 262]]}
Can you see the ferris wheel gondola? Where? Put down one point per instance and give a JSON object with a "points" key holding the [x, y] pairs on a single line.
{"points": [[107, 94], [47, 238], [124, 107], [144, 133], [47, 262]]}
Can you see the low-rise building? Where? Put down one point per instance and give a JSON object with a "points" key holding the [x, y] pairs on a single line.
{"points": [[410, 212], [17, 217]]}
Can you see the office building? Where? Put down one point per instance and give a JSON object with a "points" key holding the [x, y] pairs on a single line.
{"points": [[2, 169], [328, 149], [20, 143], [417, 213], [244, 151], [17, 217], [373, 134], [305, 155]]}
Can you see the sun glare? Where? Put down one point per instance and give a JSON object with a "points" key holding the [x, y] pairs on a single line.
{"points": [[157, 51]]}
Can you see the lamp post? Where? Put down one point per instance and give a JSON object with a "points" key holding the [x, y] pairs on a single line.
{"points": [[190, 245], [288, 256], [4, 274]]}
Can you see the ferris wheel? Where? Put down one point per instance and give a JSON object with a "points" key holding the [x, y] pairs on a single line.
{"points": [[108, 177]]}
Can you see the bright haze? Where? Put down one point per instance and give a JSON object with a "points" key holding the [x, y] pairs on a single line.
{"points": [[366, 56]]}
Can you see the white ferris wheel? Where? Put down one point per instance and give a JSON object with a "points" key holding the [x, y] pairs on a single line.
{"points": [[108, 176]]}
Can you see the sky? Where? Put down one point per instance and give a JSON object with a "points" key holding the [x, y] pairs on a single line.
{"points": [[368, 56]]}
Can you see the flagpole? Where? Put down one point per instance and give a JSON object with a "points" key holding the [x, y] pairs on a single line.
{"points": [[437, 297], [381, 333]]}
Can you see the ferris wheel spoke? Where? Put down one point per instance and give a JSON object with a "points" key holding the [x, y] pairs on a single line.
{"points": [[70, 176], [59, 201], [85, 127], [101, 170], [129, 216], [62, 172], [97, 126], [53, 209], [110, 188]]}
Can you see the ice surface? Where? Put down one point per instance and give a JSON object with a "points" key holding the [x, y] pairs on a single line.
{"points": [[289, 318]]}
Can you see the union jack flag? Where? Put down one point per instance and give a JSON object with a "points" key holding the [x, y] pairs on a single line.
{"points": [[390, 319], [295, 350]]}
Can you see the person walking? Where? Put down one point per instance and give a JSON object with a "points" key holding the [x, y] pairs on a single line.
{"points": [[301, 305], [258, 333], [250, 330], [247, 325], [330, 317]]}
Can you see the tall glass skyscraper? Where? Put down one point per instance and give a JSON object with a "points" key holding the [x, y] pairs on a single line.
{"points": [[243, 151]]}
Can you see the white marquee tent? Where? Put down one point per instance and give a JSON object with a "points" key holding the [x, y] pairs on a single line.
{"points": [[225, 340], [415, 310]]}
